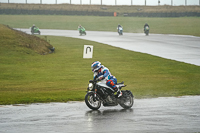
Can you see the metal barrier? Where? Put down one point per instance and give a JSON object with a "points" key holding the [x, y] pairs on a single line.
{"points": [[97, 13]]}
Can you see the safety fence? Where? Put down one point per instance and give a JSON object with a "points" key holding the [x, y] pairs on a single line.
{"points": [[97, 13], [53, 12], [163, 14]]}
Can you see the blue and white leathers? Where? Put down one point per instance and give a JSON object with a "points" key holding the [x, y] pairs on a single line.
{"points": [[104, 74]]}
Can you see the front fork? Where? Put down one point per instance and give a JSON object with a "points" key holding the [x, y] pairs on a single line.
{"points": [[95, 95]]}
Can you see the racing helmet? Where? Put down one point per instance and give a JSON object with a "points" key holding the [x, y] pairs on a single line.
{"points": [[96, 66]]}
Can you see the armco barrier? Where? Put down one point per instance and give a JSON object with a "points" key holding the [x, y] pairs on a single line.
{"points": [[163, 14], [96, 13]]}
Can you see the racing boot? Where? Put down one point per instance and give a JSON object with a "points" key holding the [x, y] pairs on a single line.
{"points": [[119, 93]]}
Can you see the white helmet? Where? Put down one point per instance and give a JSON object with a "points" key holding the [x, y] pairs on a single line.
{"points": [[96, 66]]}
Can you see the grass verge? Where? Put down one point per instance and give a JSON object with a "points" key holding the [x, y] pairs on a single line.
{"points": [[63, 76]]}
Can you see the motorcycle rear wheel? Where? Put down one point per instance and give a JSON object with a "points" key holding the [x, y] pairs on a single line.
{"points": [[126, 102], [89, 100]]}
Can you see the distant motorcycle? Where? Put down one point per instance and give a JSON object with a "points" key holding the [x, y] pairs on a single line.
{"points": [[82, 31], [120, 31], [35, 30], [99, 93], [146, 30]]}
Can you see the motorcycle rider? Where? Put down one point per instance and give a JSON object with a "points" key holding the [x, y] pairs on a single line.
{"points": [[145, 26], [80, 27], [32, 28], [118, 27], [103, 73]]}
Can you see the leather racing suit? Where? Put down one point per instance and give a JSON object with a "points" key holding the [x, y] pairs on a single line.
{"points": [[104, 74]]}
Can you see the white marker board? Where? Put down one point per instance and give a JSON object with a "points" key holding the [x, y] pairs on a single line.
{"points": [[87, 51]]}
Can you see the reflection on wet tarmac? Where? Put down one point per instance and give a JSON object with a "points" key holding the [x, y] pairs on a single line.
{"points": [[169, 114], [97, 119]]}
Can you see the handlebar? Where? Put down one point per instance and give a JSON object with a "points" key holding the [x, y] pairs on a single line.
{"points": [[94, 81]]}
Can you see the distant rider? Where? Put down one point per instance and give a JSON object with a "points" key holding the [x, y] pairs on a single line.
{"points": [[118, 27], [79, 28], [103, 73], [145, 26], [32, 28]]}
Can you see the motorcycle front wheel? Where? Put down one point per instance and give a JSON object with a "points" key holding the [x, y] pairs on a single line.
{"points": [[91, 102], [147, 33]]}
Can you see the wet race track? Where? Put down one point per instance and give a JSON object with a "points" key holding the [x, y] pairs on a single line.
{"points": [[171, 114], [174, 114]]}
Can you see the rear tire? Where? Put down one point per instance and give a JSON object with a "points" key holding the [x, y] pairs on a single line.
{"points": [[127, 100], [89, 100]]}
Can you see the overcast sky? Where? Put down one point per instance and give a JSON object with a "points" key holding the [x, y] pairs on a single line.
{"points": [[109, 2]]}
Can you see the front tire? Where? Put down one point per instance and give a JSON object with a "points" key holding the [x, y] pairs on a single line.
{"points": [[147, 33], [89, 100]]}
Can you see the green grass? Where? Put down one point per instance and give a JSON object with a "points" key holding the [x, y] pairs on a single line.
{"points": [[28, 77], [182, 25], [64, 75]]}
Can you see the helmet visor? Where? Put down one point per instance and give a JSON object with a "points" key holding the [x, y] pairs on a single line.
{"points": [[94, 67]]}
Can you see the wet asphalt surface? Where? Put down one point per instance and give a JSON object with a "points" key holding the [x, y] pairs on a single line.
{"points": [[174, 114]]}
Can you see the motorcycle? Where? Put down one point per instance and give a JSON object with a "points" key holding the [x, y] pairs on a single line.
{"points": [[99, 93], [146, 30], [82, 31], [35, 30], [120, 31]]}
